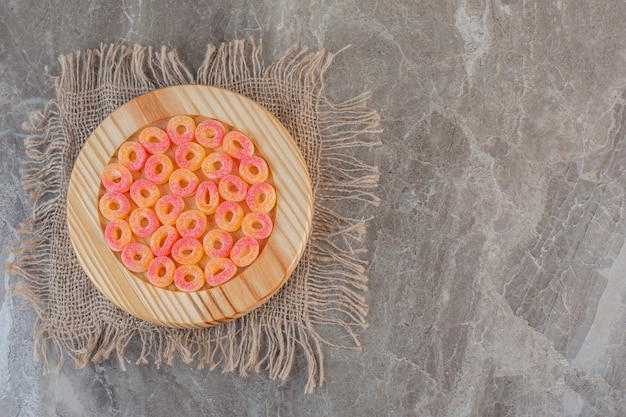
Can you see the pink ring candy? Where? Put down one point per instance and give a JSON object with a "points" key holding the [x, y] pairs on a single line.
{"points": [[163, 239], [132, 155], [181, 129], [143, 221], [158, 168], [233, 188], [261, 197], [183, 182], [137, 257], [244, 251], [187, 251], [237, 145], [191, 223], [207, 197], [117, 234], [216, 165], [217, 243], [168, 207], [114, 205], [190, 155], [229, 216], [154, 140], [116, 177], [253, 169], [189, 278], [144, 193], [210, 133], [219, 270], [161, 271], [257, 225]]}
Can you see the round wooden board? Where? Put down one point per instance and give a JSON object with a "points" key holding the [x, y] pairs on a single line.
{"points": [[252, 287]]}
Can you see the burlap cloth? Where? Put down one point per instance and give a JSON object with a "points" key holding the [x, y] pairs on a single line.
{"points": [[326, 289]]}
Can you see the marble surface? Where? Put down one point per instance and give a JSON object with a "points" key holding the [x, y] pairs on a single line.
{"points": [[498, 265]]}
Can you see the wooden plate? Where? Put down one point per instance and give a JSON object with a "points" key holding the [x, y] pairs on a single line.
{"points": [[246, 291]]}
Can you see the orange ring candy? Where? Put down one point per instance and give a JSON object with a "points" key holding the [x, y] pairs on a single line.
{"points": [[114, 205], [237, 145], [219, 270], [216, 165], [116, 177], [229, 216], [189, 278], [143, 221], [158, 168], [181, 129], [187, 251], [261, 197], [244, 251], [233, 188], [154, 140], [168, 207], [117, 234], [137, 257], [163, 239], [257, 225], [144, 193], [217, 243], [183, 182], [210, 133], [253, 169], [190, 155], [191, 223], [161, 271], [132, 155], [207, 197]]}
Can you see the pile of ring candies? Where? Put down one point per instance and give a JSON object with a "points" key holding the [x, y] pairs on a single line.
{"points": [[210, 203]]}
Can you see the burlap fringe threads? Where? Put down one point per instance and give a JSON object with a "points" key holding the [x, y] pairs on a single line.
{"points": [[326, 289]]}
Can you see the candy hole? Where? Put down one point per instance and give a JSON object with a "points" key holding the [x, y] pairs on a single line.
{"points": [[160, 242], [144, 222], [192, 224], [132, 156], [158, 168], [154, 139], [118, 234], [182, 183], [186, 252], [209, 133], [245, 251], [144, 193], [189, 277], [217, 165], [237, 146], [189, 156], [137, 257], [257, 225], [117, 179], [114, 205], [260, 198], [229, 216], [168, 209], [217, 244], [254, 170], [180, 129], [233, 188], [219, 270], [162, 271]]}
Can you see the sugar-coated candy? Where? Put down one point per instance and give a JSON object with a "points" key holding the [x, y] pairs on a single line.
{"points": [[132, 155], [137, 257], [253, 169], [207, 197], [117, 234], [143, 221], [191, 223], [190, 156], [216, 165], [244, 251], [161, 271], [168, 207], [144, 193], [116, 177], [229, 216], [154, 140], [187, 251], [219, 270], [181, 129], [158, 168], [210, 133], [233, 188], [189, 278], [261, 197], [217, 243], [257, 225], [114, 205], [163, 240], [183, 182], [237, 145]]}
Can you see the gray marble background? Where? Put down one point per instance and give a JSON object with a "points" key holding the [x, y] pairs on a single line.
{"points": [[498, 270]]}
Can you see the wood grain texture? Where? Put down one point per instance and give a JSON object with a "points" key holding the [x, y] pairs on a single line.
{"points": [[255, 284]]}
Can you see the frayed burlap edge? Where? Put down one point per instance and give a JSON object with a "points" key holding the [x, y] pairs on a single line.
{"points": [[332, 272]]}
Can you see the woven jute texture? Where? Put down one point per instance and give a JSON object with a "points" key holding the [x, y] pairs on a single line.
{"points": [[326, 289]]}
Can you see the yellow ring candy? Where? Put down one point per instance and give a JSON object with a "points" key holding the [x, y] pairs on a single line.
{"points": [[181, 129], [158, 168], [237, 145], [233, 188], [229, 216], [210, 133], [217, 243], [216, 165], [163, 239], [190, 156], [261, 197], [183, 182], [191, 223], [168, 207], [154, 140], [114, 205], [132, 155], [257, 225], [244, 251], [143, 221], [219, 270], [187, 251], [144, 193], [207, 197], [189, 278], [137, 257], [161, 271], [253, 169], [117, 234], [116, 177]]}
